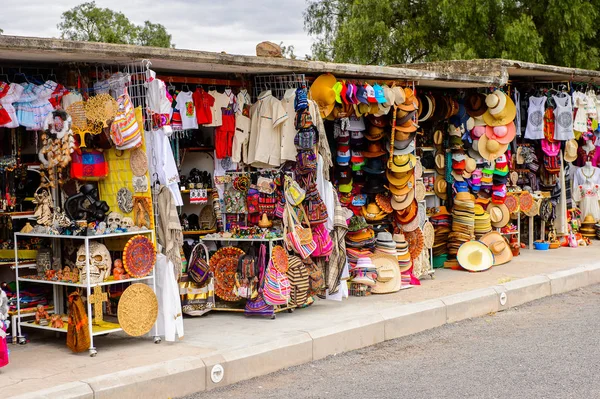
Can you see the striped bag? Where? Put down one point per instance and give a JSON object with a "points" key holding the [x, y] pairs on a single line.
{"points": [[276, 290], [125, 130], [258, 306], [299, 281]]}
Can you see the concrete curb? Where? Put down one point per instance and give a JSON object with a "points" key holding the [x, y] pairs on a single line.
{"points": [[188, 375]]}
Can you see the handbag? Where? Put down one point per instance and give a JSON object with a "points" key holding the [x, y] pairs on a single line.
{"points": [[246, 276], [294, 194], [317, 211], [299, 281], [196, 299], [88, 165], [125, 130], [322, 240], [198, 268], [316, 280], [258, 306], [276, 290]]}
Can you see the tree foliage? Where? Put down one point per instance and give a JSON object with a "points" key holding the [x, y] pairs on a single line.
{"points": [[88, 22], [561, 32]]}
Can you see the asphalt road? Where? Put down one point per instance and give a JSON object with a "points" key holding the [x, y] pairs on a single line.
{"points": [[547, 349]]}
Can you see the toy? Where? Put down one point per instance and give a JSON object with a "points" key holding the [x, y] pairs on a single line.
{"points": [[56, 321], [41, 316], [119, 271]]}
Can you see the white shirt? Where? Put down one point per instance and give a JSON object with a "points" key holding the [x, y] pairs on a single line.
{"points": [[170, 317], [185, 105], [243, 98], [266, 115], [221, 101], [288, 128]]}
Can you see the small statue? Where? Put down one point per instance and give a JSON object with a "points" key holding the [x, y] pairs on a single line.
{"points": [[44, 206], [56, 321], [119, 271], [50, 274], [41, 316]]}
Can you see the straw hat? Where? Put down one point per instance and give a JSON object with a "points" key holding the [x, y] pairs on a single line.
{"points": [[475, 104], [388, 274], [438, 137], [138, 310], [264, 222], [490, 149], [373, 213], [399, 179], [399, 95], [321, 91], [407, 214], [475, 256], [501, 109], [400, 202], [440, 161], [402, 163], [499, 247], [440, 186], [499, 214], [428, 235], [419, 191], [570, 151], [138, 161], [384, 202], [415, 242], [403, 190]]}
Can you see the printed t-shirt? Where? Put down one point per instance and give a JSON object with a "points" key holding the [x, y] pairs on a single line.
{"points": [[185, 104], [203, 101]]}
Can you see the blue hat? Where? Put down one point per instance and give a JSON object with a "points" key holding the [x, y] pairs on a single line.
{"points": [[374, 166], [379, 94], [361, 94], [461, 186]]}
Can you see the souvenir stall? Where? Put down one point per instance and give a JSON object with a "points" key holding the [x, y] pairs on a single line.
{"points": [[79, 202]]}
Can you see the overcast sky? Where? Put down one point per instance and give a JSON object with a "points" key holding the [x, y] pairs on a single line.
{"points": [[233, 26]]}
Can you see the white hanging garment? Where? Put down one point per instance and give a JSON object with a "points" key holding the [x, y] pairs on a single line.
{"points": [[170, 318]]}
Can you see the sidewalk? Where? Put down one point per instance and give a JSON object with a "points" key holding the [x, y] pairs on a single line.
{"points": [[248, 348]]}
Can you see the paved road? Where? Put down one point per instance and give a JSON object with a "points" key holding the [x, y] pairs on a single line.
{"points": [[547, 349]]}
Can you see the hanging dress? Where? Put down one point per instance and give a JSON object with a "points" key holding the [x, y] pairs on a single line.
{"points": [[585, 191], [535, 118], [563, 113]]}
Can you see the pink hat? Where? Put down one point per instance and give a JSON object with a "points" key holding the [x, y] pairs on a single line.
{"points": [[549, 148], [477, 132], [502, 134]]}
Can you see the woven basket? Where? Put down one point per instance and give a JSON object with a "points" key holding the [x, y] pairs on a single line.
{"points": [[138, 162]]}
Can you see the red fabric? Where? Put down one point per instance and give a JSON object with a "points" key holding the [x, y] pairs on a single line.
{"points": [[224, 137], [57, 95], [4, 116], [203, 101]]}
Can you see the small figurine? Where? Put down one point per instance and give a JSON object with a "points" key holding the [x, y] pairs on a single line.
{"points": [[50, 274], [56, 321], [119, 271], [41, 316]]}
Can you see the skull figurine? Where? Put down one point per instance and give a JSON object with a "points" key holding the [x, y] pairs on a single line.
{"points": [[127, 223], [100, 263], [113, 220]]}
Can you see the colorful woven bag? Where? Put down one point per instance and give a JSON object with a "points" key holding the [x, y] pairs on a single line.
{"points": [[258, 306], [299, 281], [276, 290], [125, 130], [88, 165], [198, 269]]}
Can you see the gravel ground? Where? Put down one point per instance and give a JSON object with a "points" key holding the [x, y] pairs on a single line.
{"points": [[547, 349]]}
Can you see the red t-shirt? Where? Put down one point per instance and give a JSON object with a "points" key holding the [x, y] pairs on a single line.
{"points": [[203, 101]]}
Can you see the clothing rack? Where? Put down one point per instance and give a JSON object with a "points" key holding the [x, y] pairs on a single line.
{"points": [[202, 81], [278, 84]]}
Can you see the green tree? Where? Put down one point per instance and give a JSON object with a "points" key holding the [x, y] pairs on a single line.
{"points": [[562, 32], [88, 22], [288, 51]]}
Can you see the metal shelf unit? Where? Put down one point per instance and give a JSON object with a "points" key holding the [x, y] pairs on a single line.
{"points": [[58, 287]]}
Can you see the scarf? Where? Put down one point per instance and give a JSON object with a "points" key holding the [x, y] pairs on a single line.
{"points": [[324, 149], [169, 230], [78, 332]]}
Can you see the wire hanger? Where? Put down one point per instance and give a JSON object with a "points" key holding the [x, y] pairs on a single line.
{"points": [[185, 86], [7, 80]]}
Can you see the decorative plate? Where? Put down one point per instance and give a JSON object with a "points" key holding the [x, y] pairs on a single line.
{"points": [[223, 253], [525, 201], [415, 242], [512, 203], [225, 271], [137, 310], [138, 161], [280, 259], [139, 256]]}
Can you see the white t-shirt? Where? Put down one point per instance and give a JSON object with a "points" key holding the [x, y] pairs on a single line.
{"points": [[185, 105], [221, 101]]}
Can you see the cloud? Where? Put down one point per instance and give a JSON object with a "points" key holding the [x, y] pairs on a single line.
{"points": [[233, 26]]}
